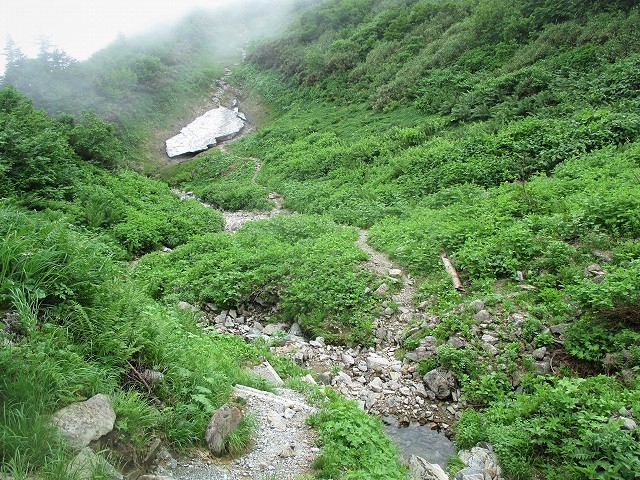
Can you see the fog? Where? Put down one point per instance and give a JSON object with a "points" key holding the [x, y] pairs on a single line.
{"points": [[81, 27]]}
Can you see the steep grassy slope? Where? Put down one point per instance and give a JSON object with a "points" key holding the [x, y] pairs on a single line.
{"points": [[507, 135], [76, 319]]}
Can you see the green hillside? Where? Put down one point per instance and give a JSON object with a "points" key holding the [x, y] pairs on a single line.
{"points": [[504, 135]]}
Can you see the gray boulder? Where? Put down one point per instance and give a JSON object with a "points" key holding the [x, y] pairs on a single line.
{"points": [[83, 422], [470, 473], [440, 382], [224, 421]]}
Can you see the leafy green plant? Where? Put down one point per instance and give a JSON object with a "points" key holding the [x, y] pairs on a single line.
{"points": [[353, 444]]}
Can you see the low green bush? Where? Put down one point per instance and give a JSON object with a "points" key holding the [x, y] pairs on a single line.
{"points": [[353, 444], [561, 428]]}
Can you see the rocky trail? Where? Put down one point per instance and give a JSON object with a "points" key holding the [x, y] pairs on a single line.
{"points": [[284, 447]]}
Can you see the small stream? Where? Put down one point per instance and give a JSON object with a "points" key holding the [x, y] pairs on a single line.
{"points": [[420, 440]]}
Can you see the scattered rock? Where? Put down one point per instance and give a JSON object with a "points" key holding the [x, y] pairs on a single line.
{"points": [[348, 360], [295, 330], [482, 316], [477, 305], [457, 342], [539, 353], [186, 306], [479, 460], [377, 364], [277, 421], [273, 328], [628, 424], [544, 367], [395, 272], [595, 269], [559, 328], [440, 382], [490, 349], [152, 376], [423, 470], [224, 421], [489, 339], [83, 422]]}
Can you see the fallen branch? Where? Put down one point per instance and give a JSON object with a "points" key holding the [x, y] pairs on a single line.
{"points": [[453, 273], [139, 376]]}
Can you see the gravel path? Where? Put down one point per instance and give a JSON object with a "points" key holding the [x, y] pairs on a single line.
{"points": [[284, 448]]}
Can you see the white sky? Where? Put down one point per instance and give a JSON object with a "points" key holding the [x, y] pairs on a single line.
{"points": [[81, 27]]}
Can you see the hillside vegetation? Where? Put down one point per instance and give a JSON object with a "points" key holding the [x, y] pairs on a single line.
{"points": [[506, 135]]}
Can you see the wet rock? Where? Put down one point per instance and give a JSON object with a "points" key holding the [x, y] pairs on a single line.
{"points": [[440, 382], [83, 422], [224, 421]]}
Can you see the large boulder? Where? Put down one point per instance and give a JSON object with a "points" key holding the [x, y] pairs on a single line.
{"points": [[225, 420], [440, 382], [83, 422]]}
